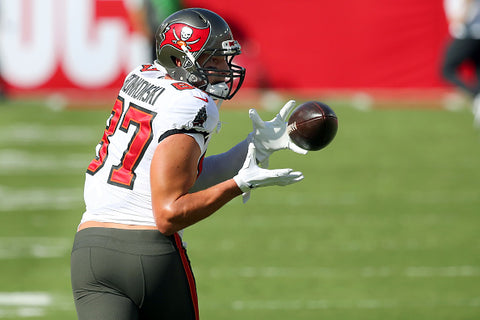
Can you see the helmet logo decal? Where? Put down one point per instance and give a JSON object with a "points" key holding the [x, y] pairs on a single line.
{"points": [[180, 34]]}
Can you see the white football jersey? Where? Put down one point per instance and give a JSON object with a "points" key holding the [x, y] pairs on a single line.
{"points": [[148, 108]]}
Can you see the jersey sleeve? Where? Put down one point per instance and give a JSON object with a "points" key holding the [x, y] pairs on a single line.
{"points": [[189, 111], [194, 111]]}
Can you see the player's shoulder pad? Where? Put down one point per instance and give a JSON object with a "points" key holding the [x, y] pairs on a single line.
{"points": [[193, 108]]}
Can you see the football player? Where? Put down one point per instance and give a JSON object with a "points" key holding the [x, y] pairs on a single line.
{"points": [[149, 179], [464, 47]]}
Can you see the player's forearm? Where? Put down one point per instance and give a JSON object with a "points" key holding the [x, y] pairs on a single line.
{"points": [[221, 167], [193, 207]]}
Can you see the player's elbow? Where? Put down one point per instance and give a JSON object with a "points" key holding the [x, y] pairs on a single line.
{"points": [[166, 228], [165, 222]]}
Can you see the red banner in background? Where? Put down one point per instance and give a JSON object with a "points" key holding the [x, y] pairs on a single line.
{"points": [[339, 44], [86, 48], [80, 48]]}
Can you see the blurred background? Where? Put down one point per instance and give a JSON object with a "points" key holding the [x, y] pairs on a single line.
{"points": [[78, 52], [385, 224]]}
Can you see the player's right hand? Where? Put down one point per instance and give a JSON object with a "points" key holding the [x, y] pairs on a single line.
{"points": [[252, 176]]}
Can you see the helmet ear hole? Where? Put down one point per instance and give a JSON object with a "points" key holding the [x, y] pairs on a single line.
{"points": [[176, 61]]}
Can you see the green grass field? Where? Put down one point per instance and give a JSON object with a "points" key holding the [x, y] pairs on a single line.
{"points": [[385, 225]]}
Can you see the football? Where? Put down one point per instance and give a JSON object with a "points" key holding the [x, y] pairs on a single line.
{"points": [[312, 125]]}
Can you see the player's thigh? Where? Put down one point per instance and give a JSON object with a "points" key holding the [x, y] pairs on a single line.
{"points": [[94, 299], [169, 293], [106, 306]]}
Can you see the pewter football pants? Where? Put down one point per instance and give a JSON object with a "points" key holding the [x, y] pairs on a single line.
{"points": [[131, 274]]}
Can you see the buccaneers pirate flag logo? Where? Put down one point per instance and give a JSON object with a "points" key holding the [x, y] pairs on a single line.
{"points": [[180, 34]]}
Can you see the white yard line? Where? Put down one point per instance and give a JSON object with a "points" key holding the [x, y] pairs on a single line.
{"points": [[39, 198], [289, 305], [13, 161], [449, 271], [33, 304], [41, 299], [36, 247], [26, 133], [24, 304], [22, 312], [322, 272]]}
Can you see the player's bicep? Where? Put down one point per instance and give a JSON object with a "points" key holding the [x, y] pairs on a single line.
{"points": [[174, 169]]}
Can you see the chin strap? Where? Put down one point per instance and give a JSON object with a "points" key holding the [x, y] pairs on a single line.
{"points": [[218, 89], [219, 103]]}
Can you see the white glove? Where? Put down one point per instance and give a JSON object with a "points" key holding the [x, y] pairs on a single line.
{"points": [[252, 176], [271, 136]]}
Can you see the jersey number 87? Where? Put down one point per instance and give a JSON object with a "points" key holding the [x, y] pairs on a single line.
{"points": [[123, 174]]}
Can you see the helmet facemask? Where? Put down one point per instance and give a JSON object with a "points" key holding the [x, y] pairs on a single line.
{"points": [[232, 77]]}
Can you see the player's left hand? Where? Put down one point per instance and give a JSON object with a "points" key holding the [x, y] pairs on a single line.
{"points": [[252, 176], [271, 136]]}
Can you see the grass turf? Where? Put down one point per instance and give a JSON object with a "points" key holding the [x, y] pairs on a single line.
{"points": [[384, 226]]}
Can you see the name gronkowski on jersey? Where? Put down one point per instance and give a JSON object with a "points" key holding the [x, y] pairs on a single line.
{"points": [[148, 109]]}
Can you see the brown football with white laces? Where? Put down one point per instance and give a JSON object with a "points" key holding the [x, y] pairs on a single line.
{"points": [[312, 125]]}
